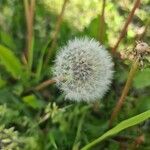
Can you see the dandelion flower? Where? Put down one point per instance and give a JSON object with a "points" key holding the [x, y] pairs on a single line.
{"points": [[87, 69]]}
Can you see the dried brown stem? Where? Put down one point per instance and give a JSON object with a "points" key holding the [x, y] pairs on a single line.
{"points": [[29, 14], [44, 84], [56, 31], [26, 7], [102, 23], [124, 30], [124, 92]]}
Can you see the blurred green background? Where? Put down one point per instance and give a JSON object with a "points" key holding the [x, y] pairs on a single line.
{"points": [[44, 120]]}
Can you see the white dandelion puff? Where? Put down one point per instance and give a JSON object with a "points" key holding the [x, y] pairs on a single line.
{"points": [[87, 69]]}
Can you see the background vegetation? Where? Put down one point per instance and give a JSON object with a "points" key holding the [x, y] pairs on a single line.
{"points": [[30, 34]]}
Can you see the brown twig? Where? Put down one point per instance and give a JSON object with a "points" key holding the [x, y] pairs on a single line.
{"points": [[44, 84], [102, 23], [56, 31], [125, 91], [124, 30]]}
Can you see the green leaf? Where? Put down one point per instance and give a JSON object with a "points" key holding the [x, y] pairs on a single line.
{"points": [[10, 61], [121, 126], [142, 79], [2, 82], [92, 29], [32, 101], [7, 39], [53, 142], [143, 104]]}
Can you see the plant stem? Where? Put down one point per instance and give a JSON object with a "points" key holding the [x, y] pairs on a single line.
{"points": [[44, 84], [29, 14], [102, 23], [57, 28], [78, 134], [124, 30], [124, 92]]}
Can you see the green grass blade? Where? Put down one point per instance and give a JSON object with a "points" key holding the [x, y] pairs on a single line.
{"points": [[31, 55], [40, 62], [121, 126]]}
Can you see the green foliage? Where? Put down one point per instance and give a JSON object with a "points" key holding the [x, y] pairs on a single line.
{"points": [[44, 120], [7, 40], [32, 101], [121, 126], [2, 82], [142, 79], [9, 139], [11, 62], [74, 9], [143, 104]]}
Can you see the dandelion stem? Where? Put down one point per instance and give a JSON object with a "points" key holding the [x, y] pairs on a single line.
{"points": [[124, 30], [124, 92], [57, 28]]}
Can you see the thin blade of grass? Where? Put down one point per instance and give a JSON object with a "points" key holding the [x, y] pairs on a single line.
{"points": [[120, 127]]}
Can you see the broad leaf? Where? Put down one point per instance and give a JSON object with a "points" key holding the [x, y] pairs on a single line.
{"points": [[10, 61], [7, 40], [142, 79]]}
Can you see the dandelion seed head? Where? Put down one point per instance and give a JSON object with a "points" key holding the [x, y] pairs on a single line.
{"points": [[87, 69]]}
